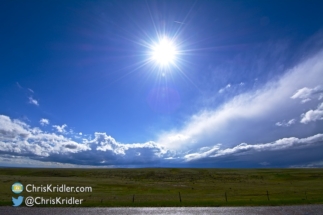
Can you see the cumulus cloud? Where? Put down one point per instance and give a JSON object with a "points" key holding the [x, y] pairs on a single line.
{"points": [[33, 101], [313, 115], [18, 138], [12, 129], [286, 124], [307, 94], [20, 141], [44, 122], [60, 129]]}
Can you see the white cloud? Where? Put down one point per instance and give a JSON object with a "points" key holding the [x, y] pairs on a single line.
{"points": [[238, 118], [307, 94], [18, 138], [178, 137], [284, 143], [204, 149], [33, 101], [44, 122], [286, 124], [33, 144], [12, 129], [30, 90], [60, 129], [225, 88], [103, 142], [277, 145], [203, 154], [18, 85], [313, 115]]}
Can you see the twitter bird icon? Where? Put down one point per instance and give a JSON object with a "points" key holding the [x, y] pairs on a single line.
{"points": [[17, 201]]}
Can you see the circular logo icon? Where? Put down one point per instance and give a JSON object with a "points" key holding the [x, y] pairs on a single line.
{"points": [[17, 187]]}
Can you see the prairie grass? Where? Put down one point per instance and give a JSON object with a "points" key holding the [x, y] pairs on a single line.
{"points": [[150, 187]]}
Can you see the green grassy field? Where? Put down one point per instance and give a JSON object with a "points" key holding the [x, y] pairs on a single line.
{"points": [[173, 187]]}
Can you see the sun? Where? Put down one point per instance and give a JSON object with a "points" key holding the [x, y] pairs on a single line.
{"points": [[164, 52]]}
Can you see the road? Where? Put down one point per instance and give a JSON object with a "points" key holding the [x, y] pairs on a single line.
{"points": [[270, 210]]}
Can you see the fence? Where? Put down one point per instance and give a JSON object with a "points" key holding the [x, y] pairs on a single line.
{"points": [[226, 197]]}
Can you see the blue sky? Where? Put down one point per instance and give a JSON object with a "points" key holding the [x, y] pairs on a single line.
{"points": [[80, 85]]}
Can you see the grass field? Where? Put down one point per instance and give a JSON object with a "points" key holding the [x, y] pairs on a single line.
{"points": [[173, 187]]}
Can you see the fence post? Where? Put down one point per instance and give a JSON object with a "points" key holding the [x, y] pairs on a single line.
{"points": [[268, 195], [180, 198], [133, 198], [226, 199]]}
